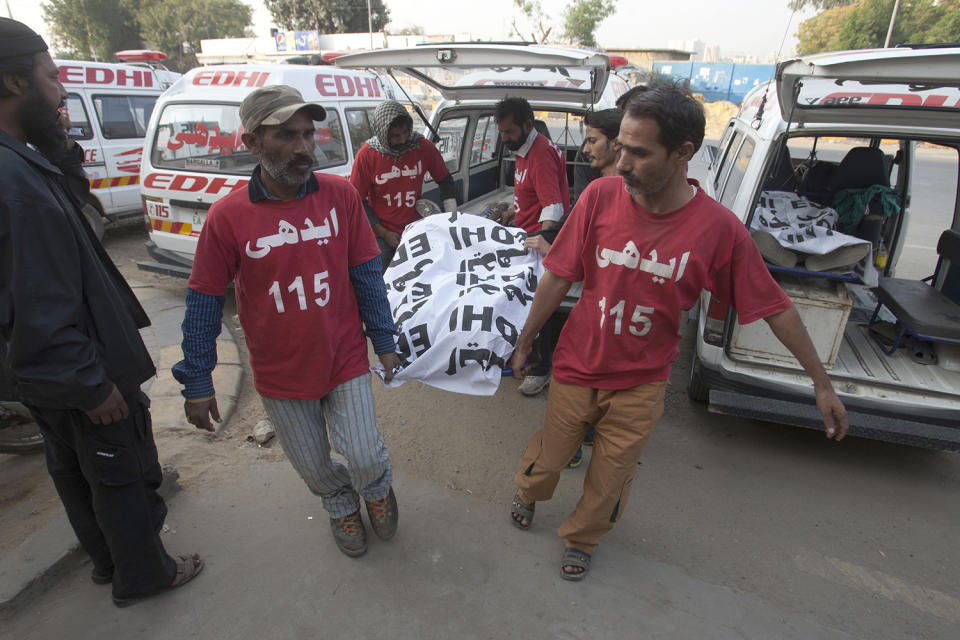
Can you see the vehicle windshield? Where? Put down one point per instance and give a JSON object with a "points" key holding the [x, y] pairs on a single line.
{"points": [[206, 138]]}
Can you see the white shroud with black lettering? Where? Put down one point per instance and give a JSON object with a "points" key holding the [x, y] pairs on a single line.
{"points": [[460, 287]]}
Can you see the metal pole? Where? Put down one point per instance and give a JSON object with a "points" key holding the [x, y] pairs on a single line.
{"points": [[893, 17], [370, 23]]}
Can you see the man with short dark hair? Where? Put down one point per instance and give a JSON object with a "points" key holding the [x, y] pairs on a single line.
{"points": [[644, 244], [70, 341], [306, 269], [389, 171], [541, 197], [600, 146]]}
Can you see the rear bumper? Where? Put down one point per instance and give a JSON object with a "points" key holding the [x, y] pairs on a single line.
{"points": [[168, 263], [759, 400]]}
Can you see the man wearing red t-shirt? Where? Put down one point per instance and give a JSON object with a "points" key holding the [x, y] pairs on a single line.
{"points": [[644, 244], [541, 196], [389, 171], [307, 274]]}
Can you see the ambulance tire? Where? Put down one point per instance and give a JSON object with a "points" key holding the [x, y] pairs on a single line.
{"points": [[94, 219], [696, 389]]}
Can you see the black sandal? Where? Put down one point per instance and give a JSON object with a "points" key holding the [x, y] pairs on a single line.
{"points": [[574, 558], [522, 509]]}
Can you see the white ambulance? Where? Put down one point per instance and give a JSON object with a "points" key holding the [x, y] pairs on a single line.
{"points": [[109, 106], [195, 154]]}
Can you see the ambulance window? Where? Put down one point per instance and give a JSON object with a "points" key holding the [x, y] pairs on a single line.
{"points": [[331, 149], [203, 138], [359, 127], [723, 167], [484, 141], [79, 121], [206, 138], [737, 170], [450, 144], [124, 116]]}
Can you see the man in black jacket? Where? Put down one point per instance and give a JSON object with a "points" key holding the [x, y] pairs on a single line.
{"points": [[70, 340]]}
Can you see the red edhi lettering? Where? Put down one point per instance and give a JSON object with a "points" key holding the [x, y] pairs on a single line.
{"points": [[231, 78], [193, 184]]}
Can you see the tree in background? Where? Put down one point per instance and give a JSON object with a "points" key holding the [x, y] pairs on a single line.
{"points": [[93, 28], [534, 25], [863, 24], [328, 16], [99, 28], [177, 26], [820, 5], [582, 17]]}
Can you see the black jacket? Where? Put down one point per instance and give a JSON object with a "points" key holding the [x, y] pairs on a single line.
{"points": [[68, 320]]}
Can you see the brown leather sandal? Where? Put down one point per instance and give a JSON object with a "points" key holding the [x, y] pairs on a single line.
{"points": [[188, 567]]}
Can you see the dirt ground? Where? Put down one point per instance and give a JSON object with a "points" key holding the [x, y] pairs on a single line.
{"points": [[717, 114]]}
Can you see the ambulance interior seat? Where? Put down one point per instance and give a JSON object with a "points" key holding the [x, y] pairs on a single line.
{"points": [[862, 167], [541, 128], [927, 309]]}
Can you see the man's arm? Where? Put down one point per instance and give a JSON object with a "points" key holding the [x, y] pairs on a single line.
{"points": [[448, 193], [53, 361], [390, 237], [789, 329], [546, 183], [550, 292], [201, 326], [375, 312]]}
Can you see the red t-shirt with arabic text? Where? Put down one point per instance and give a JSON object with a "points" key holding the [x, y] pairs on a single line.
{"points": [[392, 185], [289, 260], [639, 272], [539, 180]]}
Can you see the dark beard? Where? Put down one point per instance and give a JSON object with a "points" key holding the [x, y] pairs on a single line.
{"points": [[285, 172], [515, 146], [39, 121]]}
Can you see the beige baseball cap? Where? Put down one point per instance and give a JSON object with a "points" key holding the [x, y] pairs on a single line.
{"points": [[275, 105]]}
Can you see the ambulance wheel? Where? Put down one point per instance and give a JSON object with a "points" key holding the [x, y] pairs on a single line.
{"points": [[94, 219], [696, 389]]}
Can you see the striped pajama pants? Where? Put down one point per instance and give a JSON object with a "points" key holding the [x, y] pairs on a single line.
{"points": [[347, 414]]}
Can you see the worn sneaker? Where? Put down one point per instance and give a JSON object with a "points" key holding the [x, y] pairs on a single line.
{"points": [[839, 258], [384, 516], [772, 251], [349, 534], [532, 385], [577, 458]]}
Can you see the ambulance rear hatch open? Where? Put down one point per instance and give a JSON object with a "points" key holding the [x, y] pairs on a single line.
{"points": [[895, 88], [546, 74]]}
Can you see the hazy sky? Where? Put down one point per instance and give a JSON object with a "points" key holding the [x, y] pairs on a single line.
{"points": [[737, 26]]}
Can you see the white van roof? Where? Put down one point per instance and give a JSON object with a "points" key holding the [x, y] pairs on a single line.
{"points": [[106, 75], [886, 87], [551, 74], [231, 83]]}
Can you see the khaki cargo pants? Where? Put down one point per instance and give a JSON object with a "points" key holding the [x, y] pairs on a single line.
{"points": [[623, 420]]}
